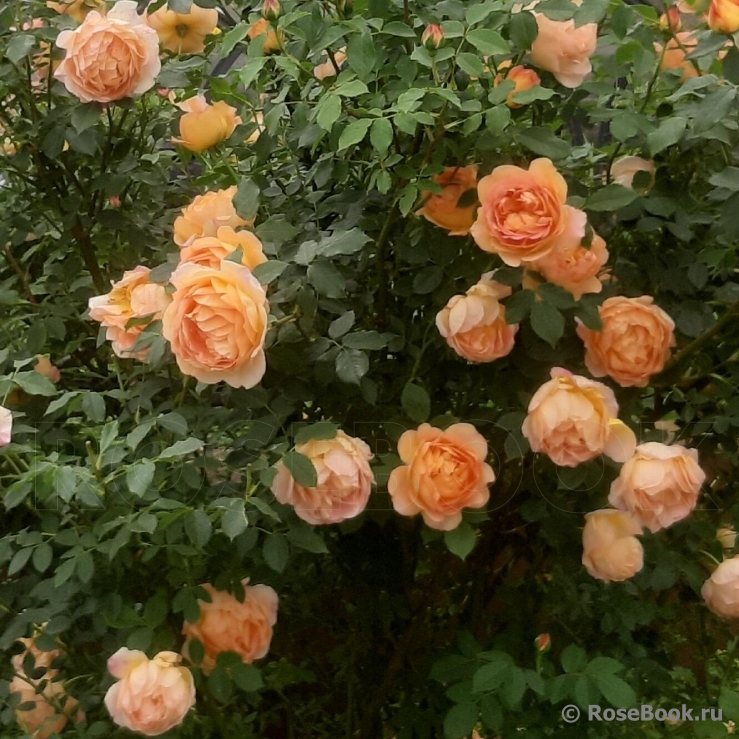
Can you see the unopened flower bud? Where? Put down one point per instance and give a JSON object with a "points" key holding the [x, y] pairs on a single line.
{"points": [[115, 201], [271, 10], [543, 643], [433, 37], [671, 20]]}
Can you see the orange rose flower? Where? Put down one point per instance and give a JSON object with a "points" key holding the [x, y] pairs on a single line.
{"points": [[44, 367], [523, 214], [633, 343], [204, 125], [133, 296], [77, 9], [210, 251], [474, 324], [326, 69], [216, 324], [625, 169], [676, 51], [443, 472], [442, 209], [611, 551], [721, 590], [262, 27], [183, 33], [229, 625], [206, 214], [564, 50], [109, 58], [522, 77], [723, 16], [574, 267]]}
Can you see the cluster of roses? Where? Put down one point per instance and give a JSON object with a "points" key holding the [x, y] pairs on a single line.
{"points": [[150, 696]]}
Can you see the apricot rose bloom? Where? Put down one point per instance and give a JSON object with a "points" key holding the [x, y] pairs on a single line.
{"points": [[6, 426], [44, 367], [133, 296], [203, 125], [183, 33], [206, 214], [677, 49], [210, 251], [723, 16], [523, 214], [625, 169], [634, 341], [522, 77], [216, 324], [109, 57], [572, 419], [442, 473], [611, 551], [344, 480], [326, 69], [442, 209], [77, 9], [659, 485], [721, 590], [152, 695], [564, 50], [229, 625], [262, 27], [474, 324]]}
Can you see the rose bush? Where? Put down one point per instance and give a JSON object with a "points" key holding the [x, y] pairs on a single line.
{"points": [[368, 368]]}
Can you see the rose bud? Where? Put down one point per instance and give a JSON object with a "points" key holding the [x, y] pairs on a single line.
{"points": [[433, 37], [671, 20], [271, 10], [543, 643]]}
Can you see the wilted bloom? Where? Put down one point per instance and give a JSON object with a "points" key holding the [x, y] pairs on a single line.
{"points": [[522, 77], [205, 125], [210, 251], [77, 9], [564, 50], [611, 551], [326, 69], [344, 480], [6, 426], [659, 485], [183, 33], [574, 267], [474, 324], [44, 367], [671, 20], [442, 473], [206, 214], [262, 28], [132, 297], [271, 10], [432, 37], [523, 214], [543, 643], [721, 590], [216, 324], [634, 341], [443, 209], [677, 49], [230, 625], [151, 696], [572, 419], [625, 169], [109, 58]]}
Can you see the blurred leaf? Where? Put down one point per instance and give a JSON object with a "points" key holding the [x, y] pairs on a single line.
{"points": [[301, 468]]}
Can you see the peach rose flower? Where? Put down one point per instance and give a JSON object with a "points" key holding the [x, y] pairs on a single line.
{"points": [[6, 426], [474, 324], [677, 48], [442, 473], [624, 170], [522, 77], [210, 251], [133, 296], [633, 343], [206, 214], [723, 16], [611, 551], [216, 324], [152, 695], [44, 718], [523, 214], [326, 69], [109, 58], [344, 480], [442, 209], [262, 27], [229, 625], [572, 419], [183, 33], [564, 50], [659, 485], [204, 126], [721, 590], [44, 367]]}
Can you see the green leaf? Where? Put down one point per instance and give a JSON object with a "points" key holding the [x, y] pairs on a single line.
{"points": [[728, 702], [460, 541], [139, 477], [427, 280], [19, 46], [351, 89], [156, 609], [246, 200], [343, 243], [327, 280], [301, 468], [532, 94], [416, 402], [247, 677], [35, 384], [233, 37], [616, 691], [361, 55], [478, 13], [180, 448], [497, 119], [20, 560], [573, 658], [396, 28], [269, 271], [517, 307], [365, 340], [93, 406], [354, 133], [320, 430], [603, 666], [108, 435], [488, 42], [219, 683], [543, 142], [275, 552], [381, 135], [328, 111], [308, 539], [514, 687], [670, 131], [471, 64], [234, 521], [85, 116], [730, 65], [460, 720], [198, 527], [611, 197], [341, 325], [523, 30], [591, 11], [42, 556], [351, 365], [491, 676]]}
